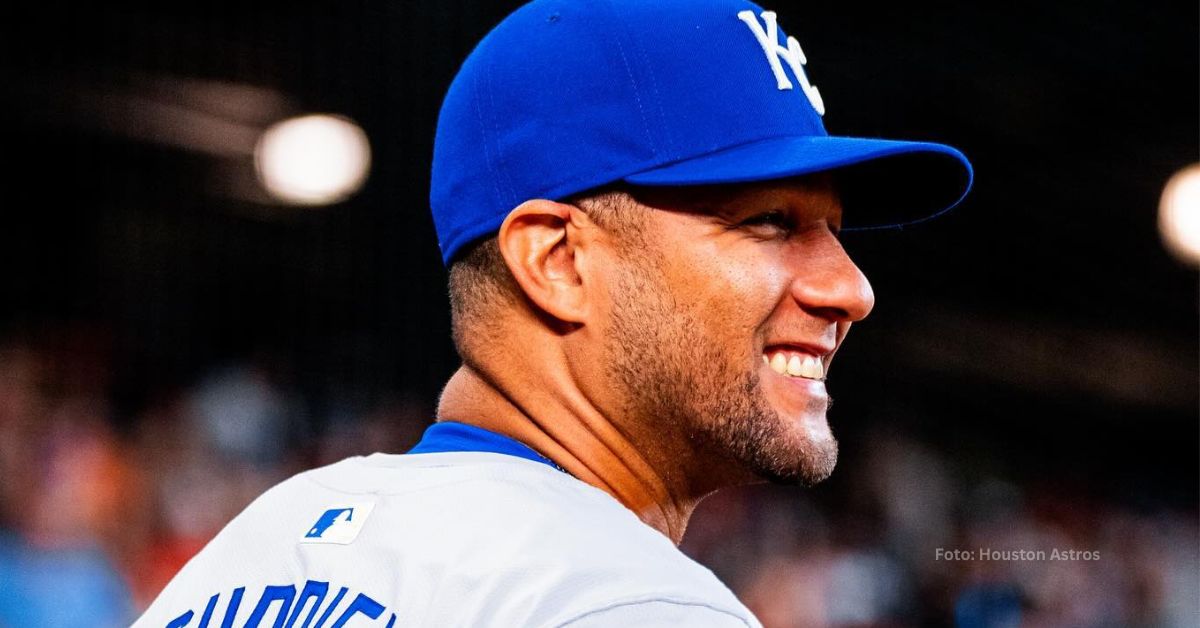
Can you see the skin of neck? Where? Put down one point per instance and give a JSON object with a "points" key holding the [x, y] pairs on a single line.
{"points": [[535, 399]]}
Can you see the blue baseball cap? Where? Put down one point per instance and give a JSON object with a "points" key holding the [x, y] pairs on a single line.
{"points": [[565, 96]]}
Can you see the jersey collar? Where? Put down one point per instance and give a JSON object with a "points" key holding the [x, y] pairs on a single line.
{"points": [[451, 436]]}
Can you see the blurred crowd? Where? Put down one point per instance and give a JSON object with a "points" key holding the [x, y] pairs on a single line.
{"points": [[98, 511], [917, 548]]}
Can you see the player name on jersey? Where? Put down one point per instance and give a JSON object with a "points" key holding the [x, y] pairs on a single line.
{"points": [[287, 612]]}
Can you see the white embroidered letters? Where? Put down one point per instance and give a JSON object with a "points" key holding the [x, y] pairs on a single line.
{"points": [[769, 40]]}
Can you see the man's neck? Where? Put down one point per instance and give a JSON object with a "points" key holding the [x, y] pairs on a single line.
{"points": [[567, 429]]}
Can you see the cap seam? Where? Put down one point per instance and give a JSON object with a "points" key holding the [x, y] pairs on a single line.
{"points": [[666, 129], [633, 84], [487, 140], [504, 180]]}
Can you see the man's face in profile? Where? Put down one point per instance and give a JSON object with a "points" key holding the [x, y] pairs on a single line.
{"points": [[725, 317]]}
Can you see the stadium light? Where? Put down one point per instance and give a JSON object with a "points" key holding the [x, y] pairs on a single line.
{"points": [[313, 160], [1179, 214]]}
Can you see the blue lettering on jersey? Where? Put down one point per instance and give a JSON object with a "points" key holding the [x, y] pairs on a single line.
{"points": [[327, 520], [234, 603], [181, 621], [285, 614]]}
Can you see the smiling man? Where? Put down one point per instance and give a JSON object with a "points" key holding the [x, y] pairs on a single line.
{"points": [[640, 210], [661, 343]]}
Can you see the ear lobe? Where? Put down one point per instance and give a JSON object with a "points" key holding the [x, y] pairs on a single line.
{"points": [[540, 250]]}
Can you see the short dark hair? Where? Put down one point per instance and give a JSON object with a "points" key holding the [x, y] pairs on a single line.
{"points": [[480, 281]]}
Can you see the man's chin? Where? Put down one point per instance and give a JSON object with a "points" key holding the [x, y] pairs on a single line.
{"points": [[807, 468], [803, 450], [787, 450]]}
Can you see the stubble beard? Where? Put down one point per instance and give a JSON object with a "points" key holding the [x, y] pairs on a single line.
{"points": [[679, 379]]}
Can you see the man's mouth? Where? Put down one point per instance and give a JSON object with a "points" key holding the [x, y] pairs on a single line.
{"points": [[792, 363]]}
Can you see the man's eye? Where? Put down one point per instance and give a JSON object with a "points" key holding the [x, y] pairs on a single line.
{"points": [[772, 219]]}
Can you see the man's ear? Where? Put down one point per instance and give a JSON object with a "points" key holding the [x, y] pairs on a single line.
{"points": [[539, 244]]}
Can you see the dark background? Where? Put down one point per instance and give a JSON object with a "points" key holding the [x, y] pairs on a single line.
{"points": [[1039, 333]]}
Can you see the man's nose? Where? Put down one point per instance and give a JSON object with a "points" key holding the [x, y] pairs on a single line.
{"points": [[829, 284]]}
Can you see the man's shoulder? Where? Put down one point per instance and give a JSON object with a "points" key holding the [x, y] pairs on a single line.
{"points": [[437, 535], [502, 511]]}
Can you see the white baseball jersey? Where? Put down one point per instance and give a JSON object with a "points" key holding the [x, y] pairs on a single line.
{"points": [[473, 530]]}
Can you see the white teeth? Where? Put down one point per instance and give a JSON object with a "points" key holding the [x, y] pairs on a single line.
{"points": [[798, 365], [812, 368], [779, 363]]}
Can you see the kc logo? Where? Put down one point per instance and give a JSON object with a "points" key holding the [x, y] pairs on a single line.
{"points": [[768, 38]]}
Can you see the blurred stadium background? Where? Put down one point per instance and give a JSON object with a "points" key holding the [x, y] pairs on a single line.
{"points": [[173, 339]]}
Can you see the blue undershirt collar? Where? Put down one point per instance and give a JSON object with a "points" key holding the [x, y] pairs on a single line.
{"points": [[450, 436]]}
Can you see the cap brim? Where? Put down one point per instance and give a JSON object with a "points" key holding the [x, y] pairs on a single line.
{"points": [[882, 183]]}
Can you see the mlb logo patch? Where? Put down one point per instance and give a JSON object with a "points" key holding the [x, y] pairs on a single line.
{"points": [[339, 525]]}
